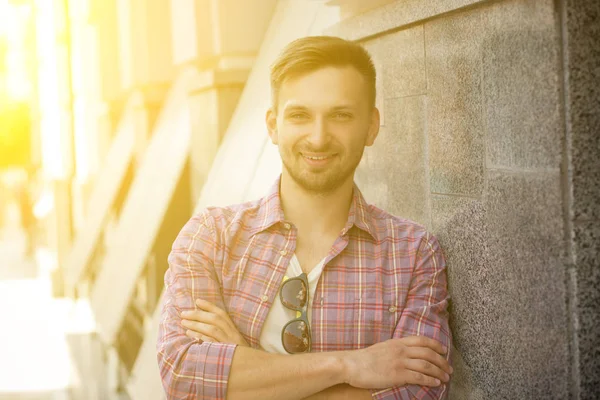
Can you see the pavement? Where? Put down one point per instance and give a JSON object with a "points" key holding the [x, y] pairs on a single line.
{"points": [[36, 362]]}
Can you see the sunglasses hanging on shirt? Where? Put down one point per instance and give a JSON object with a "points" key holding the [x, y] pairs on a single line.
{"points": [[295, 335]]}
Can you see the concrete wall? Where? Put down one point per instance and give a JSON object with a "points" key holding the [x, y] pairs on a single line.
{"points": [[581, 63], [490, 138]]}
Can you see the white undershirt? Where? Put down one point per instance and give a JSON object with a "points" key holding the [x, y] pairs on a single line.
{"points": [[270, 337]]}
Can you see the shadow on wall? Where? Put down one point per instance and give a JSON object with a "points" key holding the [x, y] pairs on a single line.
{"points": [[498, 146], [507, 333], [462, 238]]}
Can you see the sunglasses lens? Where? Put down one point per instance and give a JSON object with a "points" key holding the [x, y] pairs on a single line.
{"points": [[293, 294], [296, 337]]}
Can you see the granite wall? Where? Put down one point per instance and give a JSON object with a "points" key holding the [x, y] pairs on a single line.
{"points": [[581, 31], [490, 137]]}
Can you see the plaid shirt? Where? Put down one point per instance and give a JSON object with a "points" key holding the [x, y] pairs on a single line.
{"points": [[383, 278]]}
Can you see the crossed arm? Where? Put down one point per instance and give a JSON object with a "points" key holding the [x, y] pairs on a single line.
{"points": [[208, 358]]}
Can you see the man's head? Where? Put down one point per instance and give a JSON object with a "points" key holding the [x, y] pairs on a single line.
{"points": [[323, 110]]}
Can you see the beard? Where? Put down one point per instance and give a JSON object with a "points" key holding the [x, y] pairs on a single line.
{"points": [[320, 180]]}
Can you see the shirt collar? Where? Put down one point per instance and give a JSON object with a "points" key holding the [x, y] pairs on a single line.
{"points": [[270, 212]]}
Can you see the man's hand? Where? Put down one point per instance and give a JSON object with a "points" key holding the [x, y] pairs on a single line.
{"points": [[211, 324], [413, 360]]}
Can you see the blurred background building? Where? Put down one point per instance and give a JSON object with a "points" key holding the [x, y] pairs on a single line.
{"points": [[121, 118]]}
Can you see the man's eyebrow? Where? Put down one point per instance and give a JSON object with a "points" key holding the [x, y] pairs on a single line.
{"points": [[343, 107], [294, 107]]}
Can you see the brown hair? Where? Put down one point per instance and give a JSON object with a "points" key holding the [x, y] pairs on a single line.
{"points": [[311, 53]]}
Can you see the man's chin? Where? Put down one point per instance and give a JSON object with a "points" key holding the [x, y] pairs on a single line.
{"points": [[318, 183], [317, 180]]}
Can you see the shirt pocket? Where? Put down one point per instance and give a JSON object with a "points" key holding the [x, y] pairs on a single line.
{"points": [[375, 318]]}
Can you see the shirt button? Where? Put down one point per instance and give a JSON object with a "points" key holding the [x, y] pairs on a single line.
{"points": [[392, 309], [264, 297], [283, 252], [287, 226]]}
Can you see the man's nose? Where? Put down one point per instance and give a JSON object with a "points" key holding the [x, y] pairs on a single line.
{"points": [[319, 134]]}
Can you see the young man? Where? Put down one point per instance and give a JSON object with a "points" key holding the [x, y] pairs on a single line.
{"points": [[356, 295]]}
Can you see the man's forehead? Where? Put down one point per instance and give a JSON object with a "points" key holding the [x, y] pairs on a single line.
{"points": [[335, 72], [294, 104], [339, 87]]}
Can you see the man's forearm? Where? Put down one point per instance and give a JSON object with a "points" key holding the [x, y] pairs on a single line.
{"points": [[259, 375], [342, 392]]}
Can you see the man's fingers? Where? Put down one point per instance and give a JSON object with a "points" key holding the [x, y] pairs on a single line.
{"points": [[199, 336], [426, 354], [417, 378], [205, 329], [206, 317], [200, 316], [427, 368], [210, 307], [423, 341]]}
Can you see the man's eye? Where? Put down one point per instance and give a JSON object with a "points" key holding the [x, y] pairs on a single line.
{"points": [[297, 116], [342, 116]]}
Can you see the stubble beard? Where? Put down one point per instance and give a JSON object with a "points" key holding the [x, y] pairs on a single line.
{"points": [[320, 182]]}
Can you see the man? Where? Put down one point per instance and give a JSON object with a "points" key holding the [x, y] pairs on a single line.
{"points": [[356, 295]]}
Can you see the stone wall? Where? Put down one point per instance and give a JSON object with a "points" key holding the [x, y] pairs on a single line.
{"points": [[581, 31], [490, 138]]}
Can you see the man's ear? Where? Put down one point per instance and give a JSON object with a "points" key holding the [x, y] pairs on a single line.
{"points": [[271, 120], [373, 127]]}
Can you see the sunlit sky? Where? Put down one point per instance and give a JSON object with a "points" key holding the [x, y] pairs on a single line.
{"points": [[29, 74], [14, 39]]}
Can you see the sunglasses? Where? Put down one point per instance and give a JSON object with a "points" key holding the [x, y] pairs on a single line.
{"points": [[295, 335]]}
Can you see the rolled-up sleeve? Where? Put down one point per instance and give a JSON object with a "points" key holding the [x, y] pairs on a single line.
{"points": [[425, 314], [192, 369]]}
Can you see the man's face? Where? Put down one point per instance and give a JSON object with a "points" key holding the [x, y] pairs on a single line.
{"points": [[323, 122]]}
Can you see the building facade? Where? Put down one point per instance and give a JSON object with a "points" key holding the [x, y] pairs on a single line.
{"points": [[489, 137]]}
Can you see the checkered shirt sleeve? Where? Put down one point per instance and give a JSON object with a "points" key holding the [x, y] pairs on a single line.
{"points": [[191, 369], [425, 314]]}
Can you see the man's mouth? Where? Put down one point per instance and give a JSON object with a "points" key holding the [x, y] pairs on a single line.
{"points": [[316, 156], [317, 159]]}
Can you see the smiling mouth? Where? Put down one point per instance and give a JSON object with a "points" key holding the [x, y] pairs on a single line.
{"points": [[317, 158]]}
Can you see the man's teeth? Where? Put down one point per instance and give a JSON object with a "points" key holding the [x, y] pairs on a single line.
{"points": [[316, 158]]}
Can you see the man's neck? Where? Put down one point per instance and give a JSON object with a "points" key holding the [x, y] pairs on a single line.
{"points": [[315, 213]]}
